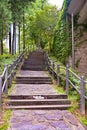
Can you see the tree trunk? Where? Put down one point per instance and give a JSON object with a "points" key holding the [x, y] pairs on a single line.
{"points": [[19, 38], [14, 39], [2, 42], [10, 40], [23, 32], [1, 47]]}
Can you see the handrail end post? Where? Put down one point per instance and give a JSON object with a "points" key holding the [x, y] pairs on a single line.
{"points": [[52, 70], [82, 95], [6, 78], [58, 75], [67, 79], [0, 96]]}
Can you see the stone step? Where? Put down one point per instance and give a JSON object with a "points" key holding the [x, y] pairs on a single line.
{"points": [[20, 81], [34, 62], [40, 56], [38, 107], [35, 68], [25, 77], [36, 54], [34, 65], [45, 96], [38, 101], [34, 80]]}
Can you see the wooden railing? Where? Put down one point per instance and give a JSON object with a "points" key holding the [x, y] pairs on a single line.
{"points": [[65, 73], [10, 71], [7, 76]]}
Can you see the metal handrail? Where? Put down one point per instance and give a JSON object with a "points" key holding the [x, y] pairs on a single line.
{"points": [[3, 72], [74, 74], [68, 72]]}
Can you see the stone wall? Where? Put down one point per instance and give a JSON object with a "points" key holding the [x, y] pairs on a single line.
{"points": [[80, 51], [81, 58]]}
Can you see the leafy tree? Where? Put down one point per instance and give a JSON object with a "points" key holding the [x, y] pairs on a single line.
{"points": [[40, 26], [4, 22], [18, 9]]}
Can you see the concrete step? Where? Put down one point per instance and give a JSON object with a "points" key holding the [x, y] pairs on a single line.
{"points": [[45, 96], [38, 101], [42, 107]]}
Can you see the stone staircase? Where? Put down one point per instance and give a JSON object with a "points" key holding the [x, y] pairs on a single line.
{"points": [[36, 62]]}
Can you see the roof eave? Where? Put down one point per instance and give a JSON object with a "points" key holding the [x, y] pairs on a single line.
{"points": [[75, 6]]}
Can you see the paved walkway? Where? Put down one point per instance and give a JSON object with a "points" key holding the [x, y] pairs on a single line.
{"points": [[44, 120], [41, 119]]}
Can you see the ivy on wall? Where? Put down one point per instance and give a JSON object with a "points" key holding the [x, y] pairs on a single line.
{"points": [[62, 38]]}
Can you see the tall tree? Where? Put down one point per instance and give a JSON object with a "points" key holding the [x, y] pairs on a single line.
{"points": [[4, 22], [41, 25], [10, 40], [18, 8]]}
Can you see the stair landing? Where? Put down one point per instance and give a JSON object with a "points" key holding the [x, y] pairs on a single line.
{"points": [[33, 89]]}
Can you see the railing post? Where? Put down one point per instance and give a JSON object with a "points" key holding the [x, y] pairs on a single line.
{"points": [[21, 57], [52, 70], [6, 78], [28, 49], [67, 78], [11, 75], [33, 47], [0, 96], [82, 95], [58, 73], [47, 60]]}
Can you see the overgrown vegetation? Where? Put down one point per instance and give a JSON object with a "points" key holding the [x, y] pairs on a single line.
{"points": [[6, 59], [5, 122], [62, 38]]}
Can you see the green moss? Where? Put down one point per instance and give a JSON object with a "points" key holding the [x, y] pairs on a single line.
{"points": [[59, 89], [84, 120]]}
